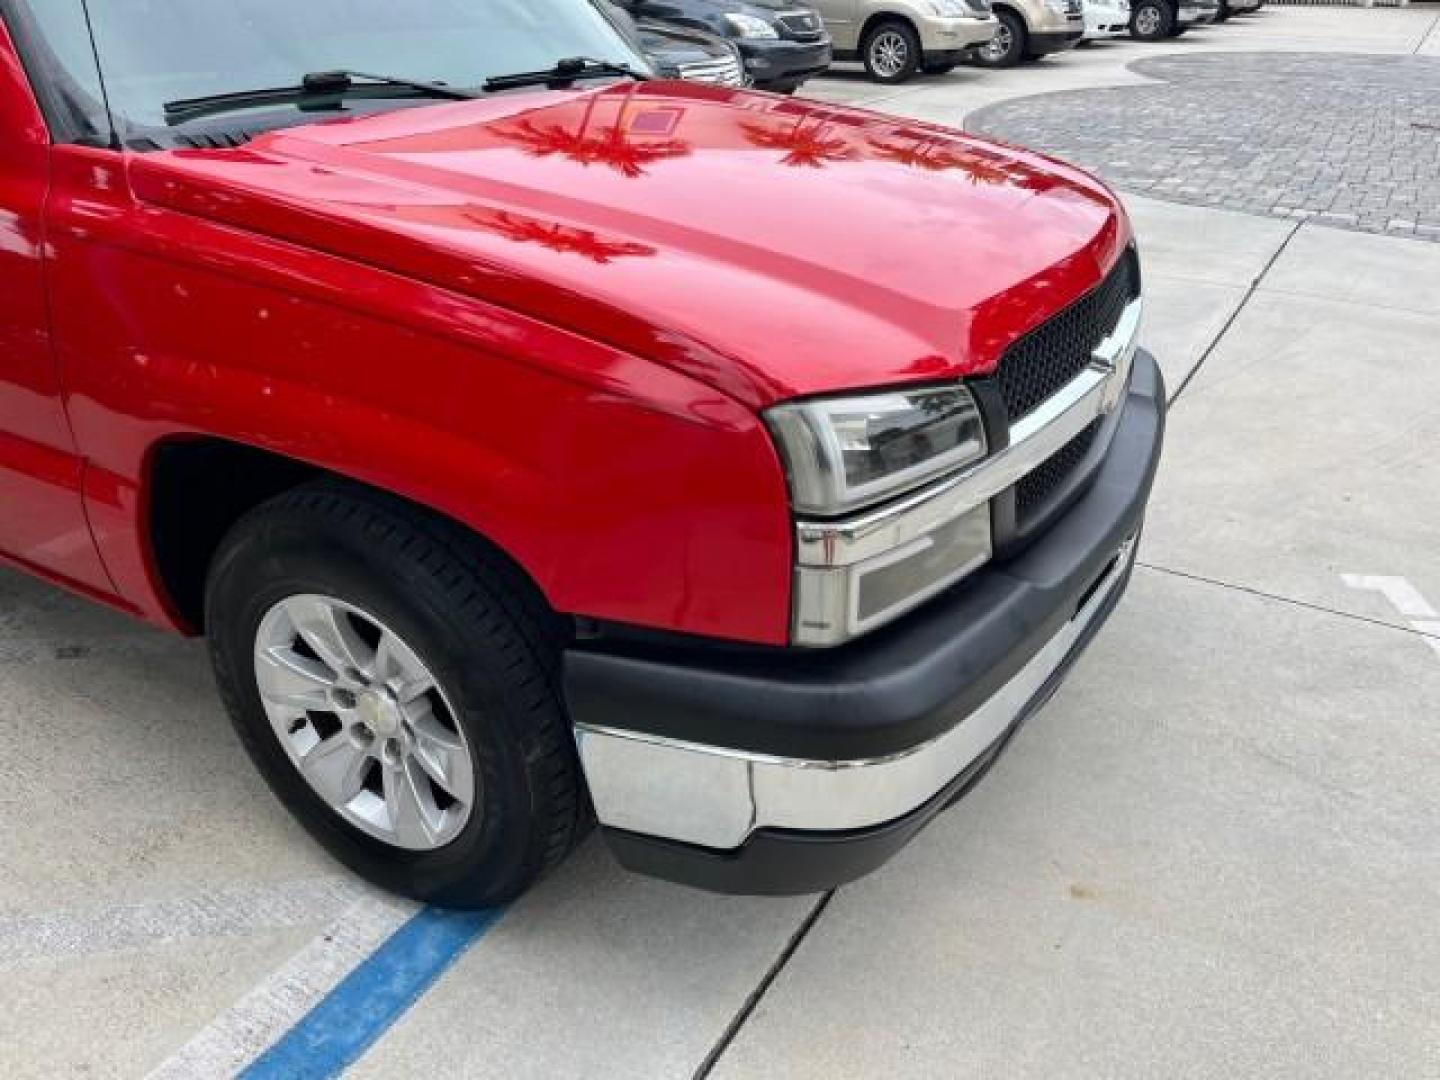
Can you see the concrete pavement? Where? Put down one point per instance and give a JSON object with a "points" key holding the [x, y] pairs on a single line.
{"points": [[1215, 853]]}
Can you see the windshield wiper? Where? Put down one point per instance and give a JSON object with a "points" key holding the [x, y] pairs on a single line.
{"points": [[319, 89], [565, 73]]}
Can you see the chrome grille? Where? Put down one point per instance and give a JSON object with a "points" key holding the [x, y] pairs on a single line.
{"points": [[1034, 491], [1048, 357], [1043, 361], [725, 72]]}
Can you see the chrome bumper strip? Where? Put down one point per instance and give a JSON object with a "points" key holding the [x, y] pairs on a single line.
{"points": [[716, 797]]}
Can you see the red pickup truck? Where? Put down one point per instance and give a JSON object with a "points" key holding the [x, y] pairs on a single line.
{"points": [[540, 443]]}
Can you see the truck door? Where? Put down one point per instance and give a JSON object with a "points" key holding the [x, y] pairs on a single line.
{"points": [[42, 517]]}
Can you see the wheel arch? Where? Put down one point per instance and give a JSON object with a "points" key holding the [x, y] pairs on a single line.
{"points": [[198, 487], [1013, 10], [880, 18]]}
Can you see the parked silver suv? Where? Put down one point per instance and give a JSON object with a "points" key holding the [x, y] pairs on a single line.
{"points": [[896, 38], [1030, 29]]}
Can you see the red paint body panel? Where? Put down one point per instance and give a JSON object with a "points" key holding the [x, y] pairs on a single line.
{"points": [[768, 247], [585, 467], [552, 316], [42, 519]]}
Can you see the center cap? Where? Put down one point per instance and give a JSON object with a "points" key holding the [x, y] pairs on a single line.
{"points": [[378, 714]]}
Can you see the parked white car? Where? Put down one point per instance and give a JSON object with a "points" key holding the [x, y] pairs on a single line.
{"points": [[1106, 19]]}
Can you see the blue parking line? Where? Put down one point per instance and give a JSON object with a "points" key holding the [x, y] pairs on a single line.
{"points": [[347, 1022]]}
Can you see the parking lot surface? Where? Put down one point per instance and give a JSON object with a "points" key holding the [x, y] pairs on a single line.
{"points": [[1351, 140], [1216, 853]]}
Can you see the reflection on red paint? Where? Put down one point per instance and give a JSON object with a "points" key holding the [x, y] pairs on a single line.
{"points": [[554, 316]]}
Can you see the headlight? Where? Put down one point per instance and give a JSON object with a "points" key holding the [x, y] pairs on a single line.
{"points": [[845, 453], [748, 26], [952, 8], [1057, 6]]}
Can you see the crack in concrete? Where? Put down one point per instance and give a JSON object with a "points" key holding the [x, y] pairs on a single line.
{"points": [[1292, 601], [757, 995], [1234, 315], [1425, 38]]}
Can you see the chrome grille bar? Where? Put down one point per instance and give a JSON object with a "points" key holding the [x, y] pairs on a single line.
{"points": [[1093, 393]]}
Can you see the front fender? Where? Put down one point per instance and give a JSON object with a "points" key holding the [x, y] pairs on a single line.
{"points": [[627, 491]]}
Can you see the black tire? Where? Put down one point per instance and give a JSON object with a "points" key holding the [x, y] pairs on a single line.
{"points": [[481, 629], [1223, 15], [902, 38], [1014, 37], [1152, 20], [943, 68]]}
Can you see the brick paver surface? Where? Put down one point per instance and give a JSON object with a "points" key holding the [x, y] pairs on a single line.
{"points": [[1350, 141]]}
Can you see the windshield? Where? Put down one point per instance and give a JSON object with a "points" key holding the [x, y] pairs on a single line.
{"points": [[155, 51]]}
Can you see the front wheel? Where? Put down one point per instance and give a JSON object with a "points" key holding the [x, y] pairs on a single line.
{"points": [[1008, 46], [1152, 20], [891, 53], [395, 681]]}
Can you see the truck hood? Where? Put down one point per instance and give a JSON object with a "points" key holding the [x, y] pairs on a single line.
{"points": [[769, 247]]}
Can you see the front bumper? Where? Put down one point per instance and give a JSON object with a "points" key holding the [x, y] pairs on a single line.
{"points": [[786, 771], [952, 35], [1053, 41], [1197, 14], [783, 63], [1105, 22]]}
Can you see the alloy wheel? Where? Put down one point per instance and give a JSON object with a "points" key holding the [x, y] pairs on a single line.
{"points": [[364, 722], [1147, 20], [889, 53], [999, 46]]}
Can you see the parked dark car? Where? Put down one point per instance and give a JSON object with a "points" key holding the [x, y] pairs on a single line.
{"points": [[679, 52], [783, 42], [1237, 7]]}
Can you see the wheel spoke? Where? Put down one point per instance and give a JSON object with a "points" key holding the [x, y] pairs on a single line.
{"points": [[398, 666], [292, 681], [336, 769], [379, 744], [327, 630], [444, 757], [414, 818]]}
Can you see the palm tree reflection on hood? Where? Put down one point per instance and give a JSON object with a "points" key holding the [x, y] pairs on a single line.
{"points": [[926, 152], [611, 145], [811, 147], [562, 238], [938, 153]]}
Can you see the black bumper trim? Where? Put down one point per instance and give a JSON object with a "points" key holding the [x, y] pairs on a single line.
{"points": [[783, 62], [778, 862], [903, 684], [1055, 41]]}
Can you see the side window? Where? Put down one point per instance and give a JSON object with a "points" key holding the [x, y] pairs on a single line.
{"points": [[53, 37]]}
